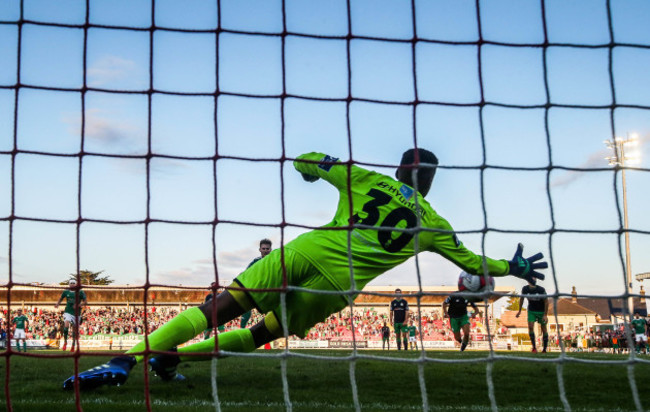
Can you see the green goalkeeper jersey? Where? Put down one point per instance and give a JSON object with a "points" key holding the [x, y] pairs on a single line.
{"points": [[383, 206], [69, 296]]}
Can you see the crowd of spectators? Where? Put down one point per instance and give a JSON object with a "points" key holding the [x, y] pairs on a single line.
{"points": [[583, 340], [364, 323], [48, 324]]}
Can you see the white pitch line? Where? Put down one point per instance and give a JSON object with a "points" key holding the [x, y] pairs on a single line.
{"points": [[379, 406]]}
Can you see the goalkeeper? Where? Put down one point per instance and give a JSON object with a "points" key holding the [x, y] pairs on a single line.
{"points": [[378, 224]]}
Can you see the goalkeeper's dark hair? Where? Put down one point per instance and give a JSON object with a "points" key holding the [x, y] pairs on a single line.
{"points": [[426, 167], [265, 241]]}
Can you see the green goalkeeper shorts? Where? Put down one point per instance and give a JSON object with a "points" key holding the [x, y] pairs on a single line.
{"points": [[458, 323], [536, 317], [304, 308]]}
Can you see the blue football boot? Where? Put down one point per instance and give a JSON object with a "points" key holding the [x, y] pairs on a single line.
{"points": [[164, 366], [114, 373]]}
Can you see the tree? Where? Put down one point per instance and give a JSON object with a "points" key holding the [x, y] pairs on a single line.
{"points": [[513, 303], [89, 278]]}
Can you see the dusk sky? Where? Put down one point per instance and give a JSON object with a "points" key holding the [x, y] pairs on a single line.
{"points": [[526, 166]]}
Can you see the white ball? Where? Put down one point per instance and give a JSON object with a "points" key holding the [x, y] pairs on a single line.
{"points": [[475, 283]]}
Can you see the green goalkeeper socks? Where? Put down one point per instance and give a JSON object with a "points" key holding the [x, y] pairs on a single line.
{"points": [[179, 330], [239, 340]]}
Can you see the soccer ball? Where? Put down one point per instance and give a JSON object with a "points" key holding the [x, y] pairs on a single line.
{"points": [[475, 284]]}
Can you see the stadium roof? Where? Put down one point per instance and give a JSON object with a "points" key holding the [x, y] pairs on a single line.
{"points": [[607, 307], [509, 320], [566, 307], [123, 294], [431, 295]]}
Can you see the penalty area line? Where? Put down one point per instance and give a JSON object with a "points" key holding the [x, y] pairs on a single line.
{"points": [[379, 406]]}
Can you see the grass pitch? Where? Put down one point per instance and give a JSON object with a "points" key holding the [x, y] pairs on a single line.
{"points": [[319, 380]]}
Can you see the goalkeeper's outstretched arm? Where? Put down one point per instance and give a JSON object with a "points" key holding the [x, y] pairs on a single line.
{"points": [[313, 166], [448, 246]]}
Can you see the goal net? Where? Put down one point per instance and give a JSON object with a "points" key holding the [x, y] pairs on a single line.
{"points": [[155, 140]]}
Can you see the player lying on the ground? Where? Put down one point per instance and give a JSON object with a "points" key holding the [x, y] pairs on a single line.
{"points": [[378, 224]]}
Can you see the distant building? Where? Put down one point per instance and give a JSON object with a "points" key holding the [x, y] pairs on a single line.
{"points": [[515, 325], [570, 316], [577, 313]]}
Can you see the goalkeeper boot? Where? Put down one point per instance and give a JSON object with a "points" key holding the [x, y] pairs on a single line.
{"points": [[114, 373], [164, 366], [463, 345]]}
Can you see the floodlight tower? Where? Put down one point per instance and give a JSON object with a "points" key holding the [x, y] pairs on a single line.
{"points": [[620, 160], [640, 277]]}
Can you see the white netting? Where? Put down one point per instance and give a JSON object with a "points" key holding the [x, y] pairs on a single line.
{"points": [[415, 90]]}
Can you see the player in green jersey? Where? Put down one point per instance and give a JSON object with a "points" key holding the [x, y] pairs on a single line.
{"points": [[73, 306], [380, 222], [639, 326], [21, 323], [412, 331]]}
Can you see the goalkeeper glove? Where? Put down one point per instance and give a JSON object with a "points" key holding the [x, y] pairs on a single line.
{"points": [[524, 268], [309, 178]]}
